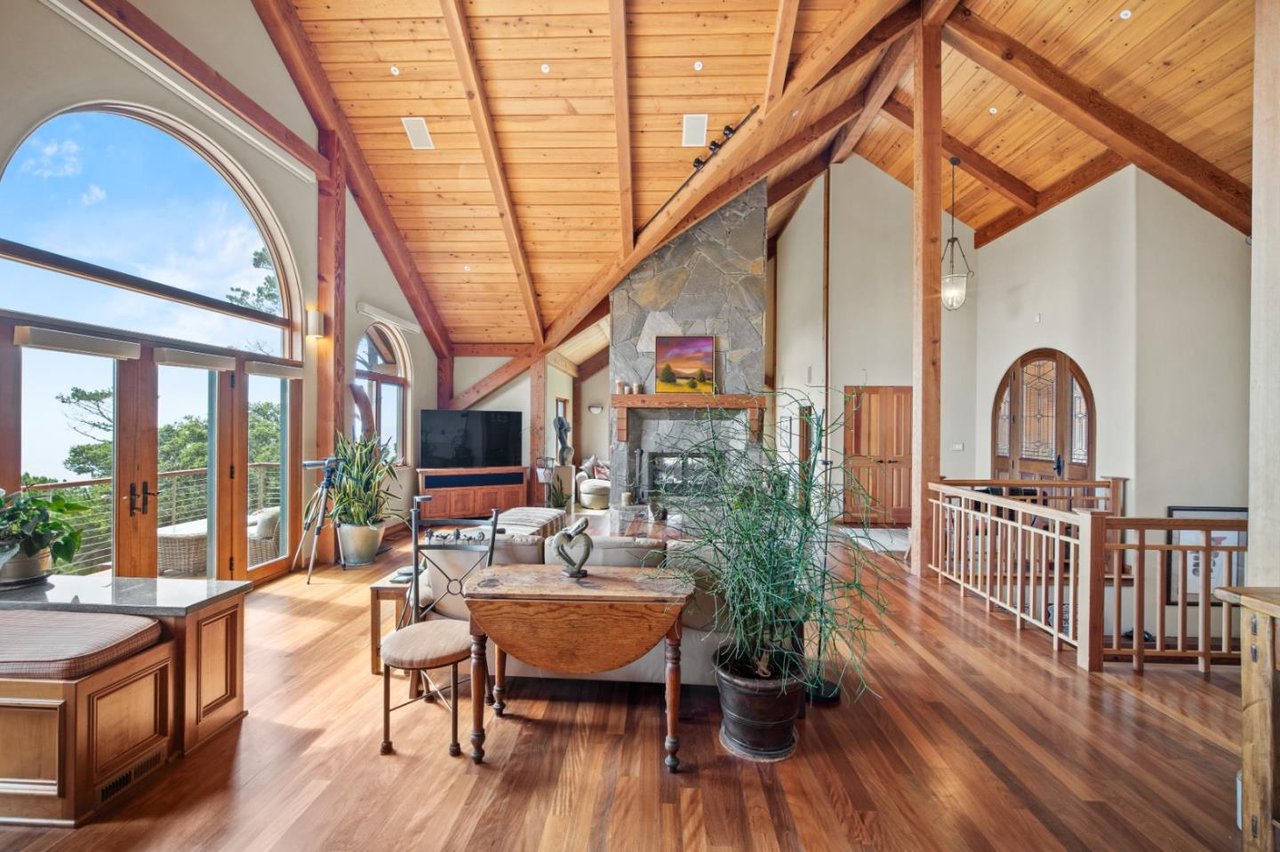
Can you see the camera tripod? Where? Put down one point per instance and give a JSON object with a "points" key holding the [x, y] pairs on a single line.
{"points": [[314, 516]]}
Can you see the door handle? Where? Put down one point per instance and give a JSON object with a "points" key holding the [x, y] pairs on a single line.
{"points": [[146, 495], [1057, 466], [133, 499]]}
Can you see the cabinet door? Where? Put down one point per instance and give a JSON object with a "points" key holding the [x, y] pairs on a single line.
{"points": [[487, 499], [461, 502], [512, 497]]}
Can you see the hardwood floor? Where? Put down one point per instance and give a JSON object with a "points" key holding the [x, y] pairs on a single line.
{"points": [[976, 739]]}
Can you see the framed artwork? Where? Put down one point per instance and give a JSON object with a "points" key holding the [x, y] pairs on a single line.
{"points": [[685, 364], [1226, 568]]}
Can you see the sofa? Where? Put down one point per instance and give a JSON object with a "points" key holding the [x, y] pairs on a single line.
{"points": [[698, 643]]}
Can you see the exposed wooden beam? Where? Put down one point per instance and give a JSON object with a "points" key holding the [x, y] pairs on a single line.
{"points": [[455, 20], [125, 17], [1097, 169], [936, 12], [799, 177], [894, 63], [488, 350], [1121, 131], [846, 30], [285, 30], [622, 119], [926, 326], [882, 34], [444, 381], [995, 178], [599, 312], [563, 364], [760, 169], [594, 364], [784, 28]]}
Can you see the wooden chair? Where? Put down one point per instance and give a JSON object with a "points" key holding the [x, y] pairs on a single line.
{"points": [[433, 643]]}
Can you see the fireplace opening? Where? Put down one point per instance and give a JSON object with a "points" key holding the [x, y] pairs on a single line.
{"points": [[673, 473]]}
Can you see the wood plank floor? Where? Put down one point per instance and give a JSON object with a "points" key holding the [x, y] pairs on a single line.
{"points": [[977, 738]]}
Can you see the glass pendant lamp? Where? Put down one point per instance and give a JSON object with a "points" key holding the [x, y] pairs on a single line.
{"points": [[955, 284]]}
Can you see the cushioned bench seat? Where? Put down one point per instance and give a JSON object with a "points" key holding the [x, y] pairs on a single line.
{"points": [[69, 645], [532, 520]]}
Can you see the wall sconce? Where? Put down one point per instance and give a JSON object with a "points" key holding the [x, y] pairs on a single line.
{"points": [[595, 408], [314, 323]]}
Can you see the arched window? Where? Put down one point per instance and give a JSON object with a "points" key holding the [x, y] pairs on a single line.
{"points": [[1042, 420], [146, 329], [380, 386]]}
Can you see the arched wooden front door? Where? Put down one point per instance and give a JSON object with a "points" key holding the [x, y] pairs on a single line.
{"points": [[1042, 420]]}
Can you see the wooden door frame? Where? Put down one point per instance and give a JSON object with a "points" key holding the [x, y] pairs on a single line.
{"points": [[1065, 365]]}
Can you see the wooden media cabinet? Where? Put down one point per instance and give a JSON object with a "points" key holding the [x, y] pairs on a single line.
{"points": [[471, 492]]}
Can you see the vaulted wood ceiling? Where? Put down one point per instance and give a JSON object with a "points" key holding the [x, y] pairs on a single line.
{"points": [[538, 184]]}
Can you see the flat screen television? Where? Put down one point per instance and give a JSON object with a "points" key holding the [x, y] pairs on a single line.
{"points": [[469, 438]]}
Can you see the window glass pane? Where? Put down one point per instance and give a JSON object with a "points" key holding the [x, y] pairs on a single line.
{"points": [[1079, 424], [391, 416], [268, 457], [376, 353], [184, 505], [1002, 425], [30, 290], [1039, 410], [120, 193], [68, 445]]}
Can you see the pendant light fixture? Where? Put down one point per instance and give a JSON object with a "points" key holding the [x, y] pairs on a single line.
{"points": [[955, 285]]}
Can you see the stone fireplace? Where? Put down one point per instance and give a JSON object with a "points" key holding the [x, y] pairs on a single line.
{"points": [[710, 280]]}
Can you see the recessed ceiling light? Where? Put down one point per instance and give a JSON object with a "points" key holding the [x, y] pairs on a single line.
{"points": [[546, 69], [795, 113], [415, 127], [395, 70], [694, 134], [697, 65], [993, 110], [466, 267], [1126, 14]]}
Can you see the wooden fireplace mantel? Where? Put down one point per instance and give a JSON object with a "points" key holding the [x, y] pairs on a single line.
{"points": [[753, 404]]}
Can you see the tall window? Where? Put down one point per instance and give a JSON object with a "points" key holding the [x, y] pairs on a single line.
{"points": [[1042, 420], [140, 285], [381, 382]]}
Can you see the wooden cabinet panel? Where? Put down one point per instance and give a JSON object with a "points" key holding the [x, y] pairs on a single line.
{"points": [[485, 489], [877, 445]]}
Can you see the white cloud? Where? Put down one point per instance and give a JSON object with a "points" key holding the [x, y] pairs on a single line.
{"points": [[55, 159], [93, 195]]}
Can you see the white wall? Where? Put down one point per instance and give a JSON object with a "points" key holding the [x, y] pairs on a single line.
{"points": [[871, 302], [594, 439], [513, 396], [559, 384]]}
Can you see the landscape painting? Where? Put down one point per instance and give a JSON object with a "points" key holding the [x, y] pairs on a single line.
{"points": [[685, 364]]}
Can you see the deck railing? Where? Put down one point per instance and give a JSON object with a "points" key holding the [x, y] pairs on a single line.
{"points": [[1115, 588], [183, 497]]}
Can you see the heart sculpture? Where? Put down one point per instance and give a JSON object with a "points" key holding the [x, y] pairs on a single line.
{"points": [[566, 541]]}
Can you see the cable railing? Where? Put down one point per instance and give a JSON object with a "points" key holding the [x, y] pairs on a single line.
{"points": [[182, 499]]}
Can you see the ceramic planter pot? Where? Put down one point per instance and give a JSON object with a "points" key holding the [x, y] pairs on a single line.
{"points": [[759, 716], [360, 543], [22, 567]]}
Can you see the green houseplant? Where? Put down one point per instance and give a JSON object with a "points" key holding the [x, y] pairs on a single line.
{"points": [[362, 496], [793, 601], [35, 533]]}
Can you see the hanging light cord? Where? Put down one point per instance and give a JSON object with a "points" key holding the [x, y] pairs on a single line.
{"points": [[953, 244]]}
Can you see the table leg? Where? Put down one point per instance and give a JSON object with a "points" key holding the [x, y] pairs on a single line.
{"points": [[1258, 687], [672, 743], [479, 677], [499, 680], [375, 629]]}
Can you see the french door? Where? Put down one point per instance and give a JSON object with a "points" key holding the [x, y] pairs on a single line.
{"points": [[186, 461], [877, 453], [1042, 420]]}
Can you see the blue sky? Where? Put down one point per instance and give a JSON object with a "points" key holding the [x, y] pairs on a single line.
{"points": [[119, 193]]}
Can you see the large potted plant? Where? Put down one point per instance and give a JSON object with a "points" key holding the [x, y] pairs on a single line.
{"points": [[34, 533], [792, 599], [361, 496]]}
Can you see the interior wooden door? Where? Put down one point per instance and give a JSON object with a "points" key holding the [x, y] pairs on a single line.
{"points": [[877, 450], [1042, 423]]}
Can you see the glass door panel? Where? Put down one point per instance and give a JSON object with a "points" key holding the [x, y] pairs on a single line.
{"points": [[186, 534], [69, 446], [268, 475]]}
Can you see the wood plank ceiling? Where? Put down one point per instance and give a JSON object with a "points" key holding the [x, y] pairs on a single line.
{"points": [[508, 236]]}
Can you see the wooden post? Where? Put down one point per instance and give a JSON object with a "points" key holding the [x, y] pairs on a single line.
{"points": [[1264, 340], [926, 326], [330, 349], [11, 412], [1092, 561], [1115, 503], [444, 380], [537, 426], [575, 431]]}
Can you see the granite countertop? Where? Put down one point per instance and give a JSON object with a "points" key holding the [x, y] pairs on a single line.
{"points": [[101, 592]]}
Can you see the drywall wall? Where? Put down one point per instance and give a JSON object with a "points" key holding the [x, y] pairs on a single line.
{"points": [[594, 440], [1066, 280], [513, 396], [871, 301], [1192, 380]]}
